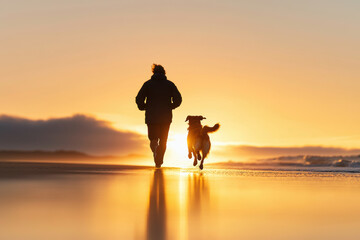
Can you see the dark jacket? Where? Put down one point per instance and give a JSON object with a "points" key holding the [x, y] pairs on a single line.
{"points": [[158, 96]]}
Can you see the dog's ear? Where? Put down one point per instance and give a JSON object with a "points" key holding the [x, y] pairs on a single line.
{"points": [[187, 118]]}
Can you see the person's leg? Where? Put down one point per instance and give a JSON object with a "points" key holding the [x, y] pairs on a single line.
{"points": [[164, 131], [153, 135]]}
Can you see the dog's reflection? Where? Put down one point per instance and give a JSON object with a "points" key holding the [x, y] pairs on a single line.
{"points": [[156, 221], [198, 204], [198, 193]]}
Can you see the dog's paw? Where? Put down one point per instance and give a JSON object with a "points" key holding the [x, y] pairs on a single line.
{"points": [[195, 162], [201, 167], [189, 155]]}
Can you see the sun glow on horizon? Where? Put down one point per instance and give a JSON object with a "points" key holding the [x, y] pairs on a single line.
{"points": [[177, 153], [178, 143]]}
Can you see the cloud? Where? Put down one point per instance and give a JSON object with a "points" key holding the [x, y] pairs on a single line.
{"points": [[79, 132], [245, 151]]}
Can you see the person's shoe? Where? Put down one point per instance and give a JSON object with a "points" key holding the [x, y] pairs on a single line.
{"points": [[158, 163], [157, 159]]}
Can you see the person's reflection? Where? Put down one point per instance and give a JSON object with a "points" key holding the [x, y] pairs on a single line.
{"points": [[156, 221]]}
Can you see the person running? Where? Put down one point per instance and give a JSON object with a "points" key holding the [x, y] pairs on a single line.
{"points": [[158, 97]]}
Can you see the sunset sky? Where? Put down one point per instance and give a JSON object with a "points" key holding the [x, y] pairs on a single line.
{"points": [[273, 73]]}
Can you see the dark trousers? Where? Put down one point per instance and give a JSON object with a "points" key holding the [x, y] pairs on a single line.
{"points": [[158, 134]]}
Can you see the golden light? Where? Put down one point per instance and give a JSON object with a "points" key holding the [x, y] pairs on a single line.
{"points": [[177, 153], [177, 143]]}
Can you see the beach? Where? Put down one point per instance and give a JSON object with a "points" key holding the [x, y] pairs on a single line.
{"points": [[92, 201]]}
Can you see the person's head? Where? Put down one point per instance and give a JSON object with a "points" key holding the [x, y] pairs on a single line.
{"points": [[157, 68]]}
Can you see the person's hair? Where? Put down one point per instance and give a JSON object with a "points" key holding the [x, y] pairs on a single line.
{"points": [[157, 68]]}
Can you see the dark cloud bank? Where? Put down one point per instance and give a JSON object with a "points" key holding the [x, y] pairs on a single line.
{"points": [[79, 132]]}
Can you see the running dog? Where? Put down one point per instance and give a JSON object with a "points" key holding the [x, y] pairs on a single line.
{"points": [[198, 139]]}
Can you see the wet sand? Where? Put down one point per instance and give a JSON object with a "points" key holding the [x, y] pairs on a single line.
{"points": [[87, 201]]}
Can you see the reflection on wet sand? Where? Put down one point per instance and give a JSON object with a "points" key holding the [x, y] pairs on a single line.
{"points": [[156, 221], [193, 206], [198, 193], [198, 198], [64, 201]]}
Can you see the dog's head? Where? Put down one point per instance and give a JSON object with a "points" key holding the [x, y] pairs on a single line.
{"points": [[194, 120]]}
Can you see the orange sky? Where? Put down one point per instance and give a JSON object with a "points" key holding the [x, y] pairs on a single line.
{"points": [[271, 72]]}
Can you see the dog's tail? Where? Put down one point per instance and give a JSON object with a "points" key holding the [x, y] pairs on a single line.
{"points": [[207, 129]]}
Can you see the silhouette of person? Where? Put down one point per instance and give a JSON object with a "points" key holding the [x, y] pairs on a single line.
{"points": [[158, 97]]}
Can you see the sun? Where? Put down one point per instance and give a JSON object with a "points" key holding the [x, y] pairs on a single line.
{"points": [[177, 144]]}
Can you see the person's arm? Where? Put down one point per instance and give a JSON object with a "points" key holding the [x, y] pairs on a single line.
{"points": [[176, 97], [141, 97]]}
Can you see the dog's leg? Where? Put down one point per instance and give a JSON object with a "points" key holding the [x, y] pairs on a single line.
{"points": [[190, 151], [205, 151], [190, 145], [195, 159], [201, 166], [197, 149]]}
